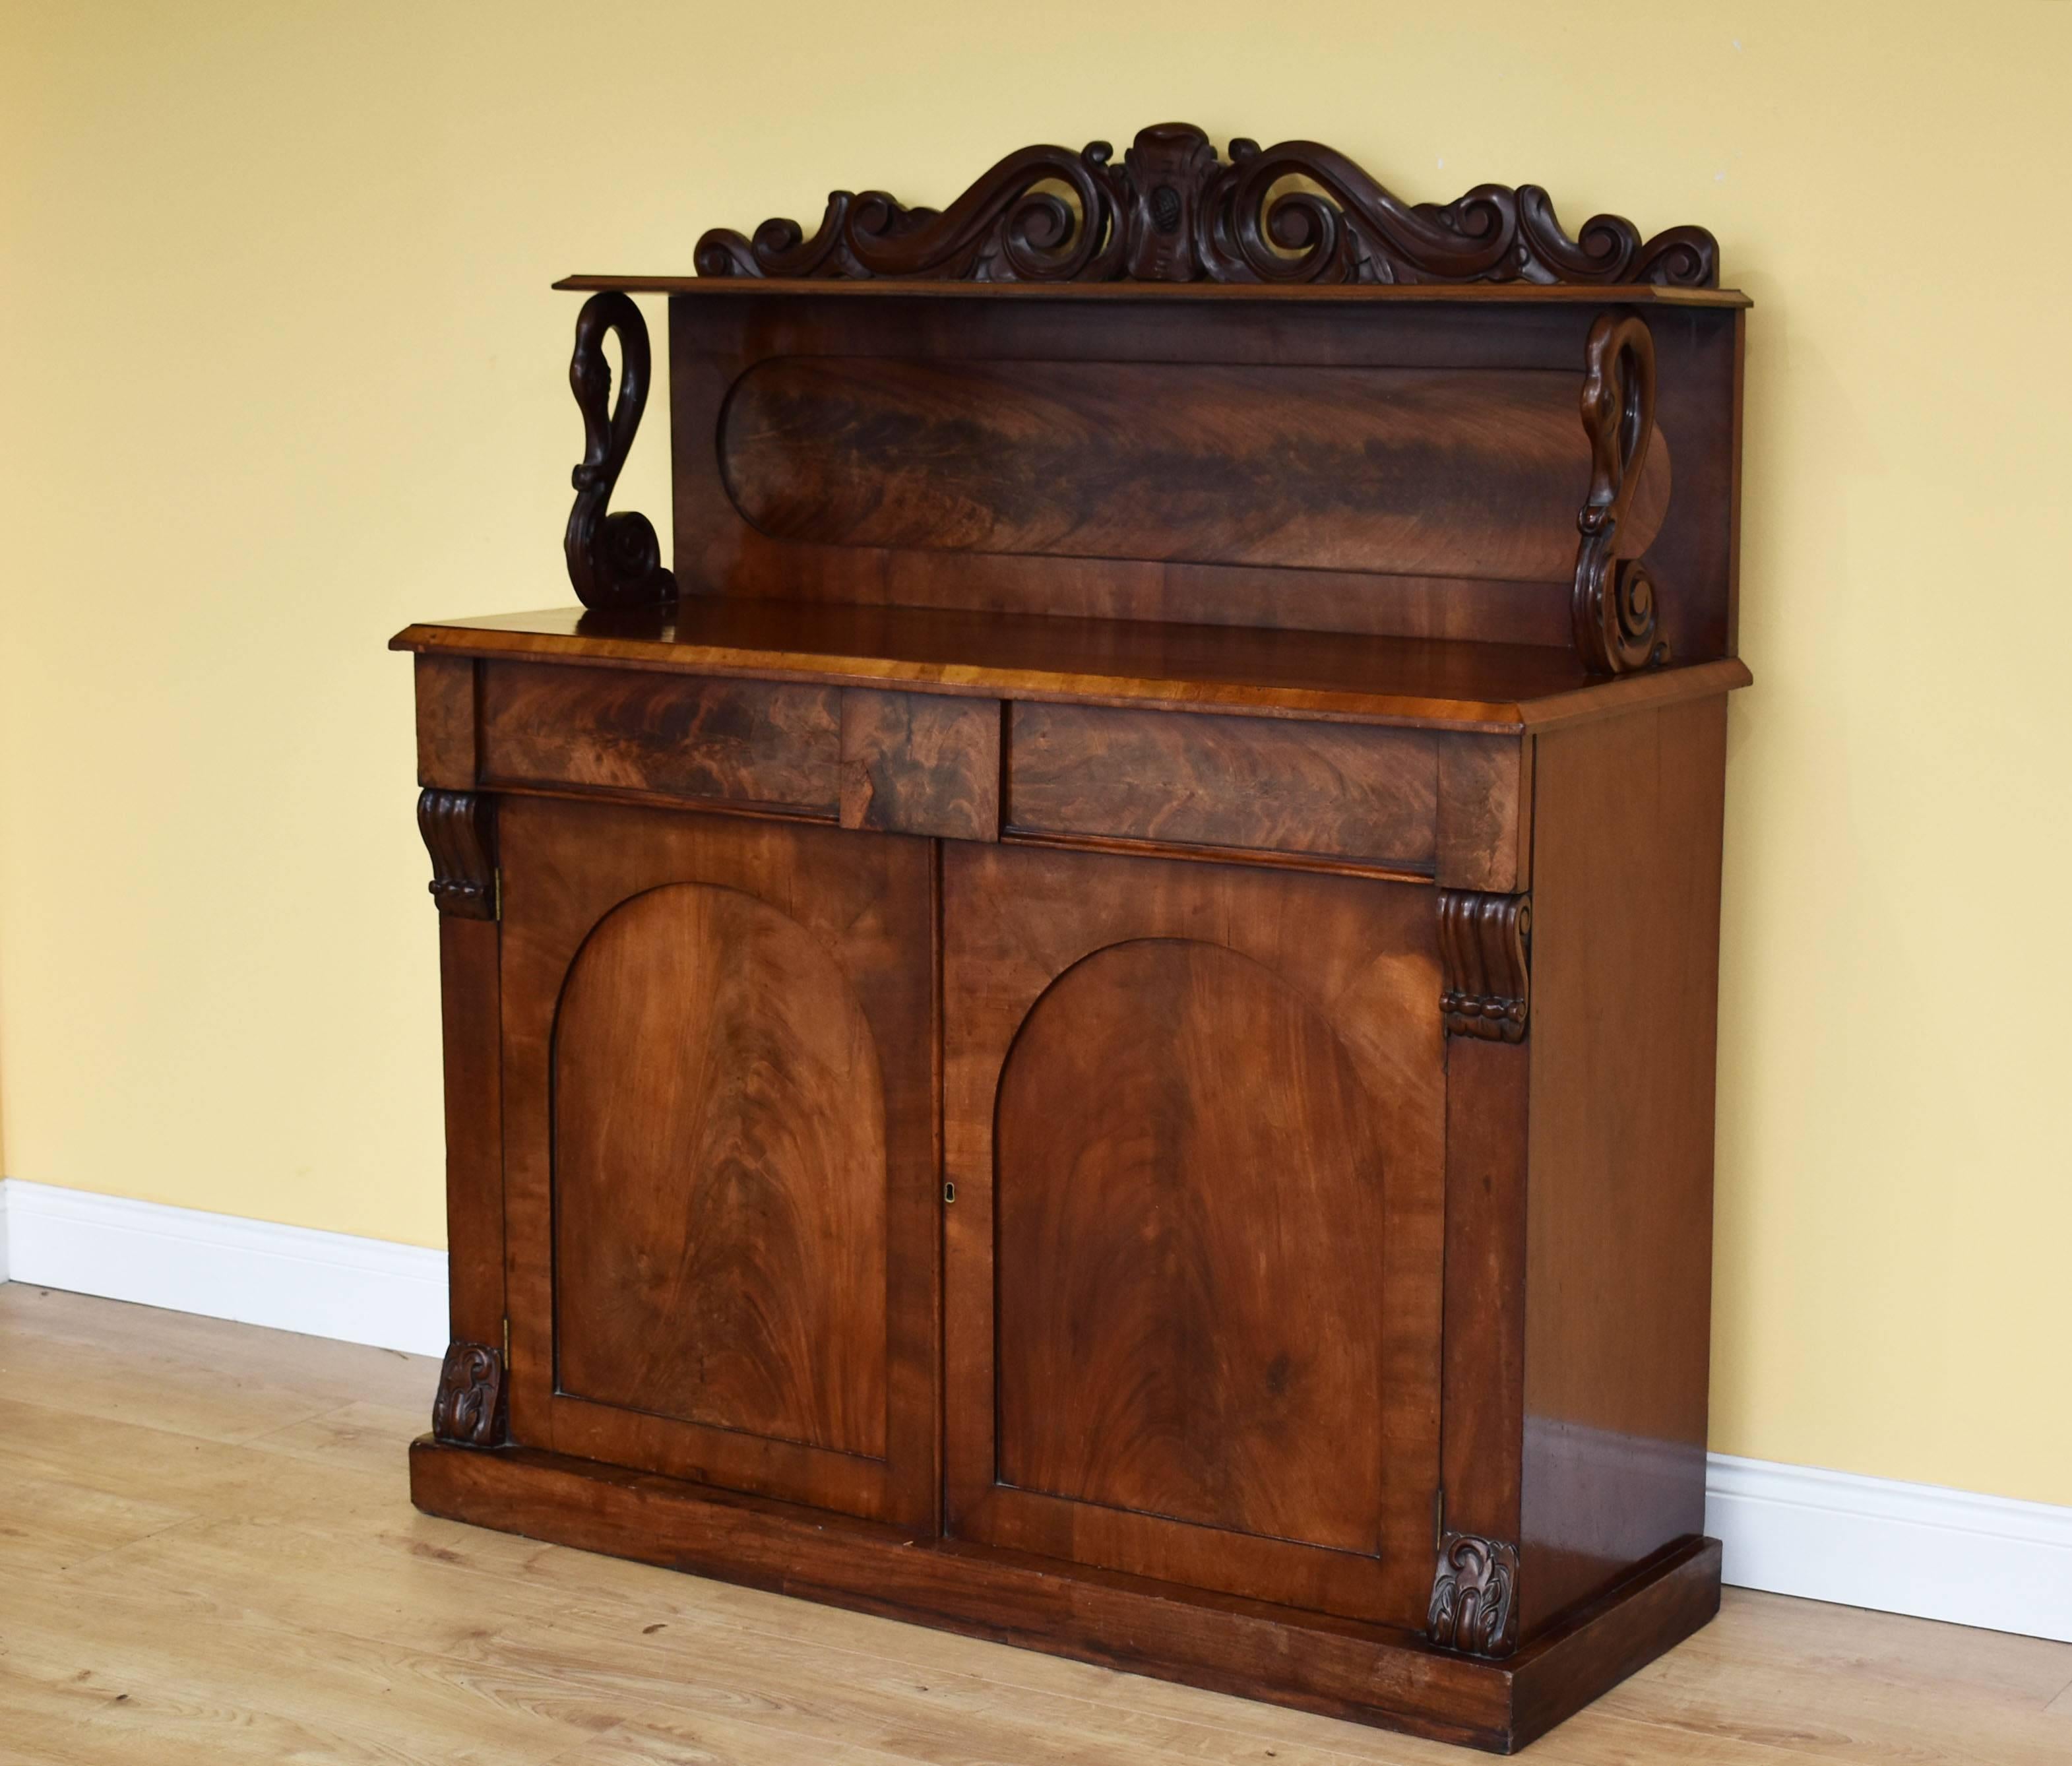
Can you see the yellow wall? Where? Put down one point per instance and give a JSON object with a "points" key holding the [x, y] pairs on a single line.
{"points": [[282, 371]]}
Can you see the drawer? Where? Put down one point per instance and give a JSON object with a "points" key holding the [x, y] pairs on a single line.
{"points": [[920, 764], [753, 743], [1322, 790]]}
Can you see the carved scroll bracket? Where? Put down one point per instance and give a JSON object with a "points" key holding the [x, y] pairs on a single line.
{"points": [[1485, 960], [460, 833], [469, 1410], [1474, 1595], [615, 560], [1614, 603], [1173, 212]]}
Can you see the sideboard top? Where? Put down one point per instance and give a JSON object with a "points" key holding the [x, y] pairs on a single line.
{"points": [[1455, 683]]}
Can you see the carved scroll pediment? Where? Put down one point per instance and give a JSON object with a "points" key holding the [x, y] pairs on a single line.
{"points": [[1173, 211]]}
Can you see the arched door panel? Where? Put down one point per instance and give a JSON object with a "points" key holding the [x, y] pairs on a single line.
{"points": [[721, 1177], [1193, 1114]]}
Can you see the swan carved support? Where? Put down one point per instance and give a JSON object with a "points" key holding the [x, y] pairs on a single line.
{"points": [[1615, 616], [615, 560]]}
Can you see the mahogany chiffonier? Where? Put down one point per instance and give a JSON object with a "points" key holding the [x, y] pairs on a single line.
{"points": [[1092, 1022]]}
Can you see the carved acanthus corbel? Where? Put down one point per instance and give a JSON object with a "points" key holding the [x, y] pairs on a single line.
{"points": [[615, 560], [460, 834], [469, 1410], [1613, 604], [1474, 1595], [1485, 959]]}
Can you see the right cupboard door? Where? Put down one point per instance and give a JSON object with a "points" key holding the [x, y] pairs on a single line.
{"points": [[1195, 1123]]}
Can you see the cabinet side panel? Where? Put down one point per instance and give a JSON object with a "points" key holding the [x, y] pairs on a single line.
{"points": [[1619, 1205], [1697, 393]]}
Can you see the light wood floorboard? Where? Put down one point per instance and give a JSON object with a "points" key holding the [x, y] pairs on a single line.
{"points": [[207, 1555]]}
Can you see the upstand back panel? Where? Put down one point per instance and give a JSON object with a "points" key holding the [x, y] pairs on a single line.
{"points": [[1092, 1020]]}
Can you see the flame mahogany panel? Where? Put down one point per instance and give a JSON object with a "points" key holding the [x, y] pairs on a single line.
{"points": [[1417, 472], [1164, 1249], [720, 1174], [1397, 469], [1181, 779], [1192, 1113], [719, 1163], [749, 742]]}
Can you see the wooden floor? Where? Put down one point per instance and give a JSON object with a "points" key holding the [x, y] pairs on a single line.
{"points": [[206, 1556]]}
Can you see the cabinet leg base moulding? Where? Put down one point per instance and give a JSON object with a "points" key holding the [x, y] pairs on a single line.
{"points": [[1310, 1662]]}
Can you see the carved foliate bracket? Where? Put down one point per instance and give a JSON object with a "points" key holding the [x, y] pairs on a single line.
{"points": [[1474, 1595], [460, 833], [1485, 960], [1172, 212], [615, 560], [469, 1410], [1614, 603]]}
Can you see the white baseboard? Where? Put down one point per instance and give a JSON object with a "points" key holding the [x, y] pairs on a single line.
{"points": [[1910, 1548], [1906, 1548], [289, 1278]]}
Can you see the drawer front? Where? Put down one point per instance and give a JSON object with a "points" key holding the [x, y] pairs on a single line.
{"points": [[1325, 790], [744, 742], [920, 764]]}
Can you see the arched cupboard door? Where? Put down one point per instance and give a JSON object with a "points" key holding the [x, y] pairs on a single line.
{"points": [[1194, 1116], [720, 1179]]}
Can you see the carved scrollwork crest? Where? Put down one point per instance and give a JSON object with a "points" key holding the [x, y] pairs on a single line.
{"points": [[615, 560], [1614, 600], [1485, 959], [1173, 212], [1011, 226], [468, 1409], [1474, 1595]]}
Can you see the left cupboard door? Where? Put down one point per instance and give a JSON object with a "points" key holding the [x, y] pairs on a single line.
{"points": [[722, 1186]]}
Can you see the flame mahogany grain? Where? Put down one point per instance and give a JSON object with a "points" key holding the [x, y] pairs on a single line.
{"points": [[1190, 1111], [1418, 473], [1300, 466], [720, 1174], [719, 1151], [746, 741], [1227, 782]]}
